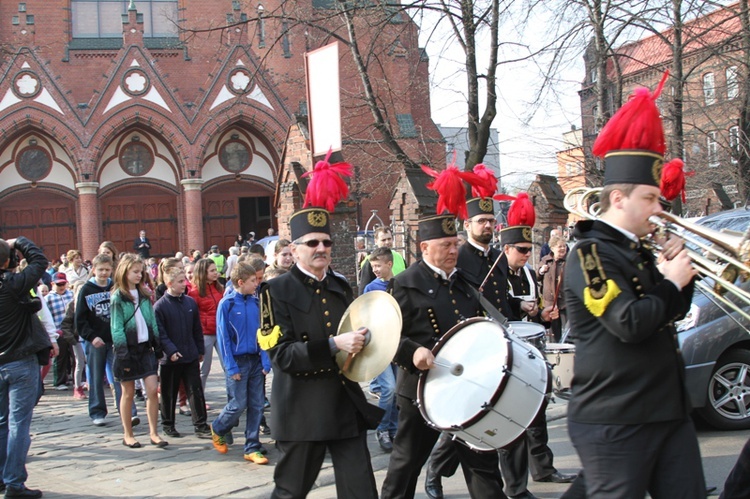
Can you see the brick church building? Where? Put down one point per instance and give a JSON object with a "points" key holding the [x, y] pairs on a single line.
{"points": [[173, 116]]}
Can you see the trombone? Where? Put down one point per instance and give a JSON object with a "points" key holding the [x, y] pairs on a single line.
{"points": [[723, 259]]}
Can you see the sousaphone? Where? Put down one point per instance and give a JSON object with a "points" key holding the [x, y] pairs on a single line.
{"points": [[379, 312]]}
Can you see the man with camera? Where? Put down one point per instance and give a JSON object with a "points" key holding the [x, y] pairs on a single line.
{"points": [[19, 365]]}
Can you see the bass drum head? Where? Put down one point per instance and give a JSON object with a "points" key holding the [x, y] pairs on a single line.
{"points": [[468, 375]]}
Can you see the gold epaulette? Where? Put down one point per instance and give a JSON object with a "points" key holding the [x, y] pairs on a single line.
{"points": [[599, 291], [269, 332]]}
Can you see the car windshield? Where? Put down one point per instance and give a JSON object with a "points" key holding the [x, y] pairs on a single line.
{"points": [[737, 223]]}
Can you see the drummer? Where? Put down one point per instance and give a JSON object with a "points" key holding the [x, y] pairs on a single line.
{"points": [[315, 408], [531, 452], [433, 297]]}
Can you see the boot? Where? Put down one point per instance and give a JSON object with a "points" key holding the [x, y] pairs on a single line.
{"points": [[432, 484]]}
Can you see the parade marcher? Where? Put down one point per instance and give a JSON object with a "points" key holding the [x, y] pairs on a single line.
{"points": [[19, 364], [475, 259], [433, 296], [316, 409], [628, 416], [531, 452]]}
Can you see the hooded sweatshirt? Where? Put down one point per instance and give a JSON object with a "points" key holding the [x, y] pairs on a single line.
{"points": [[92, 311]]}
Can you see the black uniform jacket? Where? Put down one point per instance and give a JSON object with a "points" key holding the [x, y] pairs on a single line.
{"points": [[628, 367], [430, 306], [474, 267], [519, 285], [312, 401]]}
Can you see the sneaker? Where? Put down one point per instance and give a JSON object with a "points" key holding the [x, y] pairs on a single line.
{"points": [[139, 396], [384, 440], [185, 410], [22, 491], [135, 421], [78, 394], [256, 457], [61, 388], [220, 443], [203, 431], [99, 422], [85, 386], [266, 404], [170, 431]]}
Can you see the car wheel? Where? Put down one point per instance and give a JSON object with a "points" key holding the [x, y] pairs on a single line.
{"points": [[728, 403]]}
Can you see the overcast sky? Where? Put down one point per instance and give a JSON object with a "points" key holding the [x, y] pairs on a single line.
{"points": [[527, 145]]}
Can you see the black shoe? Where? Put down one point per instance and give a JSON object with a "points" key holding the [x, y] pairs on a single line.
{"points": [[170, 431], [432, 485], [134, 445], [185, 412], [203, 431], [385, 441], [524, 495], [2, 486], [558, 477], [139, 396], [160, 444], [22, 491], [229, 438], [265, 429], [135, 421]]}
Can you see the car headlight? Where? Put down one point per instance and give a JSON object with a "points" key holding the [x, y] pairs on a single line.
{"points": [[690, 320]]}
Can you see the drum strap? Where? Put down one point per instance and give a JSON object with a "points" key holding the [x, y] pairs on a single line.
{"points": [[492, 311]]}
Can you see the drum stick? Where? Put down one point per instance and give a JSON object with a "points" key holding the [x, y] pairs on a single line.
{"points": [[494, 264]]}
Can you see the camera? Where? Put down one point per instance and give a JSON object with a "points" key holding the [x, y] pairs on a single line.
{"points": [[13, 258]]}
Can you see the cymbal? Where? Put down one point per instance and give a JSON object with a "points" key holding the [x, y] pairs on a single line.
{"points": [[379, 312]]}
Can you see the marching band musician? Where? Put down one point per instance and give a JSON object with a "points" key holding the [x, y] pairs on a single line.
{"points": [[628, 414], [433, 296], [317, 409], [531, 451]]}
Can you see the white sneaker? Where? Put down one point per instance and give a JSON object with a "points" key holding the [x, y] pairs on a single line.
{"points": [[61, 388], [99, 422]]}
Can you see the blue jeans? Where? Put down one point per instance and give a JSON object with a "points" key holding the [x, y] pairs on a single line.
{"points": [[247, 393], [97, 361], [19, 387], [387, 382]]}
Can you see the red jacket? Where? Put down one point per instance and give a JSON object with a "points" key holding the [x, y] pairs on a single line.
{"points": [[207, 306]]}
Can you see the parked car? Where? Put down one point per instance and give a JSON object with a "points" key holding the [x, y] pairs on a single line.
{"points": [[269, 244], [716, 346]]}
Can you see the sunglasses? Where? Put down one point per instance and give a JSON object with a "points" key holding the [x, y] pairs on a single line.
{"points": [[522, 249], [313, 243]]}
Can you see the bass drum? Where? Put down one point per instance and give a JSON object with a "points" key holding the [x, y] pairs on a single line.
{"points": [[487, 385]]}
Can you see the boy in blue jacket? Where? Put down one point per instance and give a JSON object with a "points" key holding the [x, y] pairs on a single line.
{"points": [[181, 336], [237, 322]]}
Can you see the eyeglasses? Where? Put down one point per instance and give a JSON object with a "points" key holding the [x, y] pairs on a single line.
{"points": [[484, 221], [313, 243], [522, 249]]}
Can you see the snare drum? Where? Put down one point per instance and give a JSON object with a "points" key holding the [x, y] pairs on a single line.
{"points": [[530, 332], [562, 358], [486, 387]]}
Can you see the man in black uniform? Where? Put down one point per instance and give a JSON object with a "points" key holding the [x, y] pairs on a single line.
{"points": [[315, 407], [475, 259], [433, 297], [628, 414], [530, 452]]}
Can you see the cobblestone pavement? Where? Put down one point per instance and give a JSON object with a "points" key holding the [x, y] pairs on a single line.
{"points": [[72, 458]]}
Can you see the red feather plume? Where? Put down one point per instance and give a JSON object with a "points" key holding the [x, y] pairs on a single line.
{"points": [[673, 180], [451, 190], [636, 125], [327, 185], [521, 211], [487, 182]]}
